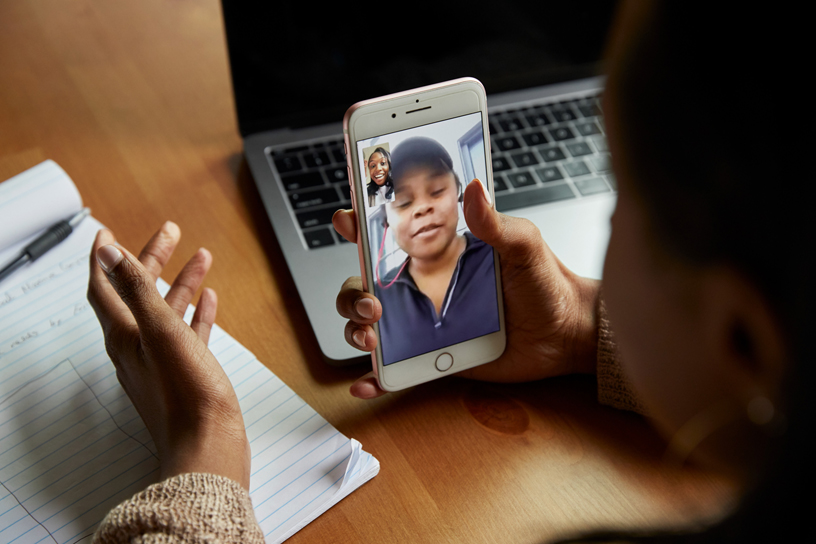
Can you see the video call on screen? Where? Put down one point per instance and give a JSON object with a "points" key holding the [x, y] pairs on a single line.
{"points": [[413, 184]]}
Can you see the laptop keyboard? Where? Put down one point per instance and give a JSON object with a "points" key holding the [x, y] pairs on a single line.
{"points": [[548, 153], [316, 182], [540, 154]]}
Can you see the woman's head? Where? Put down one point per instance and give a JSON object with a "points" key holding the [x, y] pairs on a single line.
{"points": [[425, 211], [704, 278], [379, 166]]}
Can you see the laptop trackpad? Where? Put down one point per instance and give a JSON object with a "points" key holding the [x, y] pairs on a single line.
{"points": [[576, 231]]}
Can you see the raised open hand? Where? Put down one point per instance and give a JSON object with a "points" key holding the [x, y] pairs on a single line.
{"points": [[174, 381]]}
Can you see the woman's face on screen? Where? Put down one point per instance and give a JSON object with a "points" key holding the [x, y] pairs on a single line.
{"points": [[377, 168], [425, 213]]}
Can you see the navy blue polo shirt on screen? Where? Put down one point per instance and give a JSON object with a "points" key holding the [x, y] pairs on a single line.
{"points": [[410, 326]]}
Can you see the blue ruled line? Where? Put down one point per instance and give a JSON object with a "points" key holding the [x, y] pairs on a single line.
{"points": [[302, 492], [303, 473]]}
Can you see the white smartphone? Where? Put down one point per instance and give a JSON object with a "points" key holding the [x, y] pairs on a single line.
{"points": [[410, 157]]}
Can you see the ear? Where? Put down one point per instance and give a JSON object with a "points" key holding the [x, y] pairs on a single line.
{"points": [[745, 335]]}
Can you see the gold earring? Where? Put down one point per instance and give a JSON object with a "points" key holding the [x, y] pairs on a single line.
{"points": [[762, 413], [760, 410]]}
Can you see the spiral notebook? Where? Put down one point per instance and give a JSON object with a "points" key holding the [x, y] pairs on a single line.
{"points": [[72, 446]]}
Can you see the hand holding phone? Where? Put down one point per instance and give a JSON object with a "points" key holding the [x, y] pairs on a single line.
{"points": [[429, 241], [549, 311]]}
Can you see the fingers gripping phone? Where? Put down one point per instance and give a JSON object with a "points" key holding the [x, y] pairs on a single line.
{"points": [[410, 157]]}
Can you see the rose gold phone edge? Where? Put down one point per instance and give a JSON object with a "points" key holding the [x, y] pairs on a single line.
{"points": [[499, 337]]}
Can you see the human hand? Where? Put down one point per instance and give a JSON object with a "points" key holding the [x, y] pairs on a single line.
{"points": [[550, 313], [178, 387]]}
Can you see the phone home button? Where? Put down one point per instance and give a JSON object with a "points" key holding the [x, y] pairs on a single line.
{"points": [[444, 362]]}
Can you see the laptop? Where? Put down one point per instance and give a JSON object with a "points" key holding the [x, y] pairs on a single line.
{"points": [[297, 67]]}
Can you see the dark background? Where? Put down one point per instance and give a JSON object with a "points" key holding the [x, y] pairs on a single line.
{"points": [[297, 64]]}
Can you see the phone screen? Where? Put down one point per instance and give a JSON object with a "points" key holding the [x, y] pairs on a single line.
{"points": [[436, 281]]}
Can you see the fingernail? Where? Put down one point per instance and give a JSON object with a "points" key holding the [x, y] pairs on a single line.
{"points": [[108, 257], [486, 193], [171, 229], [365, 308], [359, 338]]}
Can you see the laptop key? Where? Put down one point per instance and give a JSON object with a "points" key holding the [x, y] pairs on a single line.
{"points": [[288, 163], [500, 164], [316, 159], [521, 179], [591, 186], [302, 181], [535, 138], [510, 124], [338, 155], [579, 149], [345, 190], [507, 143], [537, 119], [537, 195], [588, 129], [318, 238], [561, 133], [524, 159], [576, 169], [499, 184], [563, 114], [292, 150], [310, 199], [552, 154], [315, 218], [600, 163], [600, 144], [610, 179], [337, 174], [549, 173], [589, 109]]}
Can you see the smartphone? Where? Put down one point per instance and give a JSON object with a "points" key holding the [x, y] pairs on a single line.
{"points": [[410, 156]]}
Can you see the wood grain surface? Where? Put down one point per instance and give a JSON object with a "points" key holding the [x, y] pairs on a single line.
{"points": [[134, 101]]}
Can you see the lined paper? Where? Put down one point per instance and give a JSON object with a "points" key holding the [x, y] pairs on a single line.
{"points": [[72, 446]]}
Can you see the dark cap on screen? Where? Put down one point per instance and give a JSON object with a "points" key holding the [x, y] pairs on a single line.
{"points": [[419, 152]]}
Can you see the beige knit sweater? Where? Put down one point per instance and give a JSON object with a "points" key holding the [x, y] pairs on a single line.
{"points": [[210, 509], [613, 387], [189, 508]]}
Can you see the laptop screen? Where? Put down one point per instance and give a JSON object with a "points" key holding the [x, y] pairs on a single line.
{"points": [[297, 64]]}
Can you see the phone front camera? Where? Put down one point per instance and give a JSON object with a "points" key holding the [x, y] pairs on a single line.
{"points": [[393, 115]]}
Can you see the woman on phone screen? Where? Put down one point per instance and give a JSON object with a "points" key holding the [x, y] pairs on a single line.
{"points": [[380, 187]]}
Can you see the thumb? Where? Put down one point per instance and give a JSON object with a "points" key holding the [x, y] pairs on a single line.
{"points": [[513, 237], [133, 283]]}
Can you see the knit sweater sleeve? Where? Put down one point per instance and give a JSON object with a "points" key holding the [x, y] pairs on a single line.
{"points": [[188, 508], [613, 387]]}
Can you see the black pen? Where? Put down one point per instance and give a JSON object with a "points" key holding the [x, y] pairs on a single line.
{"points": [[49, 239]]}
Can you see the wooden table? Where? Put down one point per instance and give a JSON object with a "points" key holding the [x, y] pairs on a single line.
{"points": [[134, 101]]}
